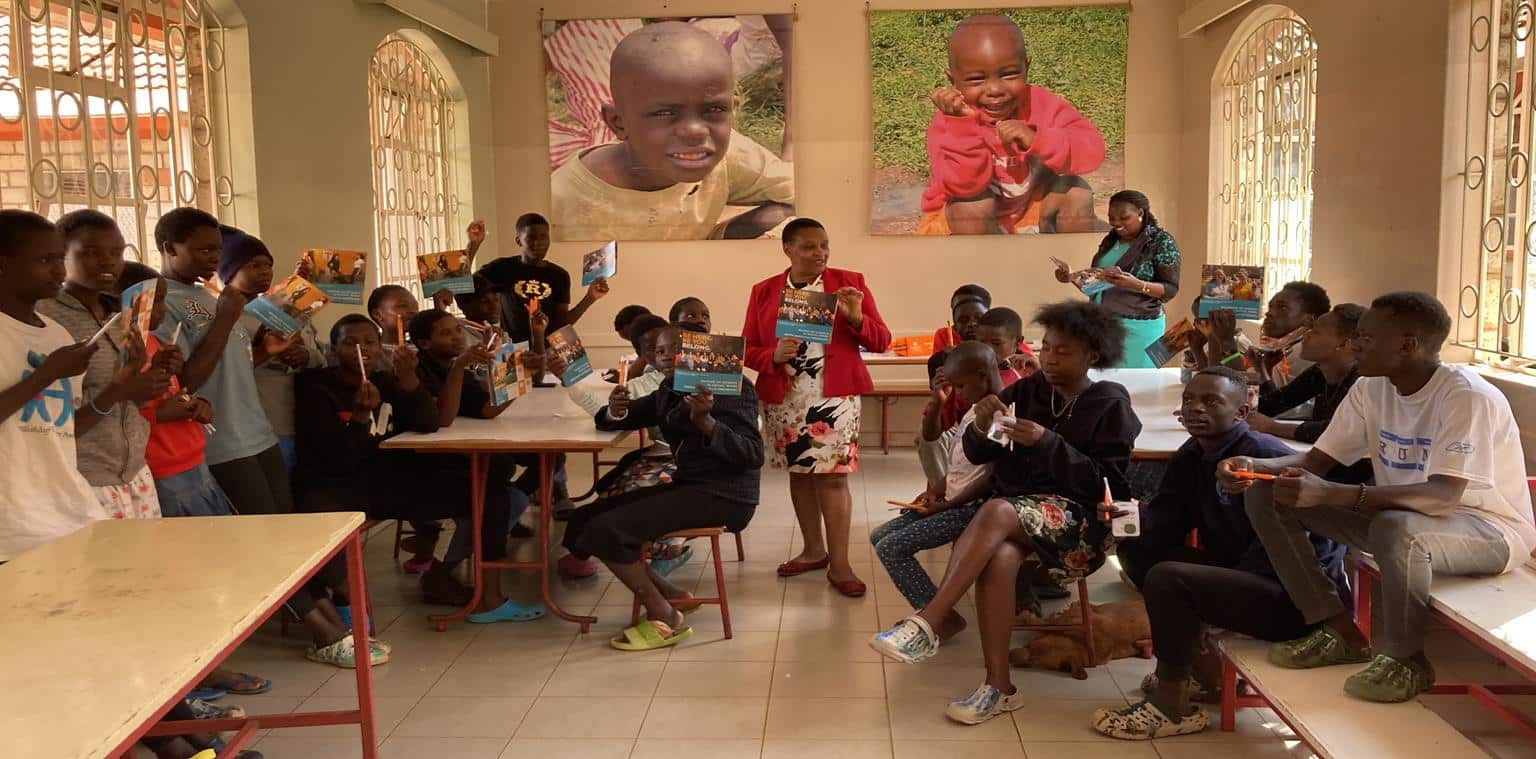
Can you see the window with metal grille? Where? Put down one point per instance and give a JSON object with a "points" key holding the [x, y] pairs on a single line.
{"points": [[116, 106], [415, 191], [1494, 228], [1265, 103]]}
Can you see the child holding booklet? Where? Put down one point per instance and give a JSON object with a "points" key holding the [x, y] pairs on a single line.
{"points": [[110, 435], [44, 497], [719, 452], [248, 268], [221, 359], [176, 452], [445, 358]]}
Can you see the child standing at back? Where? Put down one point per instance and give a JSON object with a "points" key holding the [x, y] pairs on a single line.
{"points": [[249, 268], [177, 439], [110, 435], [679, 163], [221, 361], [44, 497], [1004, 155]]}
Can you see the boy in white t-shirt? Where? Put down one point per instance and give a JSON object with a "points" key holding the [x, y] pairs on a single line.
{"points": [[1450, 497], [44, 497]]}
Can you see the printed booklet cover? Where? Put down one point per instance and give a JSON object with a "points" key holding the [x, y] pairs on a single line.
{"points": [[448, 269], [1237, 288], [1173, 341], [602, 263], [806, 315], [340, 274], [709, 361], [564, 343], [288, 306], [509, 378], [138, 305], [1090, 281]]}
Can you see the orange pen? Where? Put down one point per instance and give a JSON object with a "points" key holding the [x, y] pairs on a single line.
{"points": [[399, 330], [533, 306], [623, 373], [1243, 474]]}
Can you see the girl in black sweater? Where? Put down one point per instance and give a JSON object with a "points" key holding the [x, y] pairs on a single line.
{"points": [[1070, 435]]}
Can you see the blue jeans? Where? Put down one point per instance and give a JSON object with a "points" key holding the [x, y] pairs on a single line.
{"points": [[193, 493]]}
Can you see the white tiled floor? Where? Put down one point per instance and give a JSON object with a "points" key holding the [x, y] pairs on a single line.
{"points": [[796, 682]]}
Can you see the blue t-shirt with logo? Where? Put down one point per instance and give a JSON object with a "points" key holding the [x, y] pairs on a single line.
{"points": [[243, 429]]}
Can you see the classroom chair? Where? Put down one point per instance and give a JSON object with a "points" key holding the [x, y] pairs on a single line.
{"points": [[713, 533]]}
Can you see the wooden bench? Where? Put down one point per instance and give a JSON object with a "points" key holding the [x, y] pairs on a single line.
{"points": [[1313, 703], [1497, 614], [888, 389]]}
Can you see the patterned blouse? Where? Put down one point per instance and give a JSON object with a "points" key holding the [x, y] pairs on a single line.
{"points": [[1153, 257]]}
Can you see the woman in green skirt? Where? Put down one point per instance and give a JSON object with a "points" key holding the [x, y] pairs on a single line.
{"points": [[1140, 262]]}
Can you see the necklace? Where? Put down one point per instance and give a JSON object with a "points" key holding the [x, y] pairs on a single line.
{"points": [[1066, 408]]}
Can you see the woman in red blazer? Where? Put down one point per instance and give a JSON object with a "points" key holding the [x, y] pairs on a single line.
{"points": [[810, 395]]}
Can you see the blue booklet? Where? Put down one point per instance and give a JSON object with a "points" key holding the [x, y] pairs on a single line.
{"points": [[1173, 341], [1239, 289], [138, 304], [564, 343], [448, 269], [712, 362], [509, 378], [340, 274], [1090, 282], [600, 264], [806, 315], [288, 306]]}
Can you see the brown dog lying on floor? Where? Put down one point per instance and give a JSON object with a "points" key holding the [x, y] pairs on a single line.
{"points": [[1116, 629]]}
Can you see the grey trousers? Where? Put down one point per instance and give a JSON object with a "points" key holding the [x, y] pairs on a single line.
{"points": [[1409, 547]]}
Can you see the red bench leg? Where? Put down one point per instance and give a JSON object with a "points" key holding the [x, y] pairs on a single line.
{"points": [[1228, 696]]}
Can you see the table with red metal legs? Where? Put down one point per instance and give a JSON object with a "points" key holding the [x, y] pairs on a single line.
{"points": [[107, 629], [547, 423]]}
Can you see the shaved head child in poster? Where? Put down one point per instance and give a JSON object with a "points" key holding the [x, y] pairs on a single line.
{"points": [[679, 162]]}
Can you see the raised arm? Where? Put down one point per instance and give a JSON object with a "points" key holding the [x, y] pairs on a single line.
{"points": [[729, 427]]}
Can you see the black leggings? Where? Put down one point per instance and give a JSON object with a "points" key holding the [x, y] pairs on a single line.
{"points": [[616, 529], [1181, 597], [1138, 556]]}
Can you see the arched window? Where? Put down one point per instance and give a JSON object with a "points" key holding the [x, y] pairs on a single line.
{"points": [[114, 106], [1265, 112], [413, 106]]}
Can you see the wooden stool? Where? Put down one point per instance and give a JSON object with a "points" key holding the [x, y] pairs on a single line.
{"points": [[402, 531], [713, 533], [1085, 626]]}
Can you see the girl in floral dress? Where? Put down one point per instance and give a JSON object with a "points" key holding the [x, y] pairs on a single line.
{"points": [[1065, 437]]}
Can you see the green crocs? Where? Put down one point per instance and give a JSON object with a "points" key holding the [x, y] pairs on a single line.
{"points": [[1389, 681], [1324, 647]]}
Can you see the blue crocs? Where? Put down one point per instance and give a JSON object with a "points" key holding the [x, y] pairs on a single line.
{"points": [[664, 567], [511, 611]]}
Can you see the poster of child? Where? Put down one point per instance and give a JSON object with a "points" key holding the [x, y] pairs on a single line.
{"points": [[621, 169], [997, 122]]}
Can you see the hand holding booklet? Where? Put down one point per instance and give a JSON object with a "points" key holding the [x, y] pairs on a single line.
{"points": [[806, 315], [288, 306], [565, 345], [711, 362], [602, 263]]}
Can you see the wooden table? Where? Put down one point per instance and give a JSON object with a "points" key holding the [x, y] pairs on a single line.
{"points": [[891, 359], [1155, 395], [108, 628], [547, 423], [885, 390]]}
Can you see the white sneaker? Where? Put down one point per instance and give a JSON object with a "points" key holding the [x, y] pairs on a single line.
{"points": [[910, 641], [1143, 722], [983, 704]]}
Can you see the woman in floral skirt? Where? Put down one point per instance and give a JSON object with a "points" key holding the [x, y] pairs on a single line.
{"points": [[1064, 437], [810, 395]]}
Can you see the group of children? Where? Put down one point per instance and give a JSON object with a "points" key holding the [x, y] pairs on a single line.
{"points": [[1415, 461], [1025, 454], [208, 413]]}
